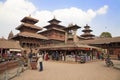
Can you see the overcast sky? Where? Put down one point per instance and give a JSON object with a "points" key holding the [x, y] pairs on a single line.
{"points": [[101, 15]]}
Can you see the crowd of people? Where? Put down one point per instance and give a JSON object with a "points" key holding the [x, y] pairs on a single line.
{"points": [[9, 56], [35, 60], [31, 60]]}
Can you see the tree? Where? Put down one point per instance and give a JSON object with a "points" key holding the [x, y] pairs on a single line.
{"points": [[105, 35]]}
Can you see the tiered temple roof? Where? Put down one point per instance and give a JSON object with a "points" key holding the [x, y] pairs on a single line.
{"points": [[29, 19], [29, 29], [54, 30], [72, 27], [28, 26], [87, 33], [54, 23], [31, 35]]}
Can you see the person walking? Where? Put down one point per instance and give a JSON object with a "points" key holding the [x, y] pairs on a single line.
{"points": [[40, 61], [34, 61], [46, 56], [118, 55], [29, 59]]}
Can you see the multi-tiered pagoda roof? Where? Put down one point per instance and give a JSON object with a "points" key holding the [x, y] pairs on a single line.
{"points": [[54, 31], [87, 33], [29, 29]]}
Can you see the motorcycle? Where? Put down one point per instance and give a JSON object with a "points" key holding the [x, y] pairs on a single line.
{"points": [[109, 62]]}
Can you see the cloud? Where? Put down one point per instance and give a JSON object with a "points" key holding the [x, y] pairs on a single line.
{"points": [[102, 10], [12, 11], [75, 15]]}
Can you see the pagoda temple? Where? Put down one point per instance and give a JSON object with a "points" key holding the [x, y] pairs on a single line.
{"points": [[28, 36], [54, 32], [87, 33], [60, 38]]}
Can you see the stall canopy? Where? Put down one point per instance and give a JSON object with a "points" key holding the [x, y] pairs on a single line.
{"points": [[9, 44], [15, 50]]}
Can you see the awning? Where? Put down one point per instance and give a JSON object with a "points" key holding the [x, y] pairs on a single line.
{"points": [[17, 50]]}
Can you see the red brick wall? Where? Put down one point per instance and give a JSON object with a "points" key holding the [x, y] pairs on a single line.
{"points": [[8, 65]]}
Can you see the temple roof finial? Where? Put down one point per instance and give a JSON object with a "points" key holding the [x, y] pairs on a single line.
{"points": [[54, 17], [54, 21], [71, 24], [29, 15]]}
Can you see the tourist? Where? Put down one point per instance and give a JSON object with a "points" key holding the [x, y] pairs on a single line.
{"points": [[30, 55], [46, 56], [57, 56], [29, 58], [34, 61], [40, 61], [63, 57], [98, 55], [118, 56], [102, 56]]}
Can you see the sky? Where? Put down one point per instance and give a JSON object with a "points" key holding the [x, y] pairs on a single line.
{"points": [[100, 15]]}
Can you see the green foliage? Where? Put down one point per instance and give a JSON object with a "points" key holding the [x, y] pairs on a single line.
{"points": [[105, 35]]}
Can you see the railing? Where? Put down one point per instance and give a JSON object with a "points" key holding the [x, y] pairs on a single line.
{"points": [[10, 69]]}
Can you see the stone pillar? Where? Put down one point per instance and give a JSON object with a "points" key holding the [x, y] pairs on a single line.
{"points": [[74, 36], [66, 37]]}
